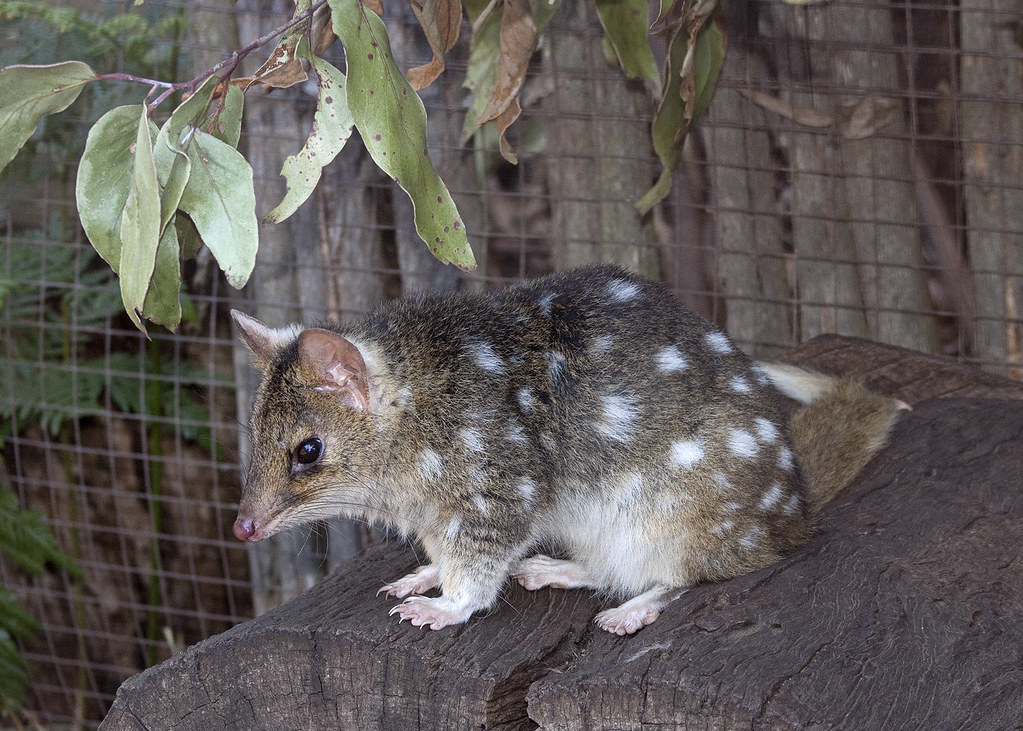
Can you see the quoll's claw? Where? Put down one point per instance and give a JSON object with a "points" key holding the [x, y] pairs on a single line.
{"points": [[435, 612], [418, 582]]}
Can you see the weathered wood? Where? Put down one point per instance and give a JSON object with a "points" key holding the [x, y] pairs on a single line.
{"points": [[907, 610]]}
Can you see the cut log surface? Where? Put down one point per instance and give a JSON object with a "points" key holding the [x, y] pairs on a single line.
{"points": [[906, 611]]}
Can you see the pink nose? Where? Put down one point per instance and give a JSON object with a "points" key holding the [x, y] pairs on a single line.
{"points": [[246, 529]]}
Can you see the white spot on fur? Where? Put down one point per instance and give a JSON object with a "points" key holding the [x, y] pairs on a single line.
{"points": [[430, 464], [719, 343], [525, 397], [766, 430], [622, 290], [670, 359], [555, 364], [454, 525], [752, 538], [742, 443], [516, 433], [547, 442], [760, 374], [722, 482], [527, 489], [785, 458], [685, 454], [601, 345], [731, 506], [792, 506], [544, 303], [721, 528], [740, 385], [473, 439], [487, 358], [620, 414], [771, 498], [481, 504]]}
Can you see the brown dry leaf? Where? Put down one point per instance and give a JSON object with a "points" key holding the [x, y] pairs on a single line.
{"points": [[377, 6], [518, 41], [322, 34], [864, 117], [800, 115], [504, 121], [441, 21], [281, 70]]}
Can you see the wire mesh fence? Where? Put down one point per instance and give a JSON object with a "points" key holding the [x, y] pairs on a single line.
{"points": [[857, 172]]}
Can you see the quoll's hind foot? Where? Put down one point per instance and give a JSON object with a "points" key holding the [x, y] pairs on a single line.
{"points": [[432, 612], [539, 571], [418, 582], [636, 613]]}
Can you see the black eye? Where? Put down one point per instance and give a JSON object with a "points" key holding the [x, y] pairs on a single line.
{"points": [[309, 451]]}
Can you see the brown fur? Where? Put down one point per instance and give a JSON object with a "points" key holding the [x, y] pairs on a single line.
{"points": [[586, 412]]}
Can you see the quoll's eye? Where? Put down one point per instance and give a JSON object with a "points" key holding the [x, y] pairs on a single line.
{"points": [[309, 451]]}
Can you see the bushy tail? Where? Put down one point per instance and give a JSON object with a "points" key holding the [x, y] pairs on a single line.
{"points": [[840, 426]]}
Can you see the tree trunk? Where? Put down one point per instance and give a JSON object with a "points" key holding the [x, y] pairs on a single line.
{"points": [[992, 134], [599, 151], [750, 260], [855, 222]]}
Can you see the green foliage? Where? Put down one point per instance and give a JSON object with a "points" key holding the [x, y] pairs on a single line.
{"points": [[150, 197], [48, 378], [695, 56], [27, 543], [332, 127], [392, 121]]}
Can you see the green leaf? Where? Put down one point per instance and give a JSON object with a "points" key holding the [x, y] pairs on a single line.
{"points": [[105, 177], [392, 122], [484, 61], [29, 93], [163, 305], [169, 151], [188, 236], [332, 126], [140, 226], [221, 201], [708, 58], [687, 92], [224, 119], [627, 25]]}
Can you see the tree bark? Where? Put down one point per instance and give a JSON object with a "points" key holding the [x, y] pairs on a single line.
{"points": [[750, 260], [597, 121], [860, 268], [992, 134]]}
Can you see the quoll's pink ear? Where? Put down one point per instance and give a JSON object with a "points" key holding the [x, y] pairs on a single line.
{"points": [[264, 342], [328, 362]]}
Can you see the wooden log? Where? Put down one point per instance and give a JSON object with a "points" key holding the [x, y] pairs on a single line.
{"points": [[906, 610]]}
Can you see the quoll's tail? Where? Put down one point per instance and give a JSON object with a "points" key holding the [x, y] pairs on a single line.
{"points": [[840, 426]]}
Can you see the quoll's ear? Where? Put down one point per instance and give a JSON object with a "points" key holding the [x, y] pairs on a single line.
{"points": [[328, 362], [263, 342]]}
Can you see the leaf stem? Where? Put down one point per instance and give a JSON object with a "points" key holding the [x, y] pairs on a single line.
{"points": [[227, 65]]}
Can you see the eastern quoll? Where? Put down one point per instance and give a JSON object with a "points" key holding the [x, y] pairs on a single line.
{"points": [[586, 413]]}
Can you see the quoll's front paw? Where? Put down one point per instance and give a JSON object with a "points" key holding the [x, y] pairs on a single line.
{"points": [[435, 612], [418, 582]]}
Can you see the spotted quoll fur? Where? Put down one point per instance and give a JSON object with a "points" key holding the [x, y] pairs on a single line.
{"points": [[586, 413]]}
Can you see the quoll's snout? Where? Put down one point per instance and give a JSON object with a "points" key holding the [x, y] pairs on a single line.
{"points": [[246, 529]]}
